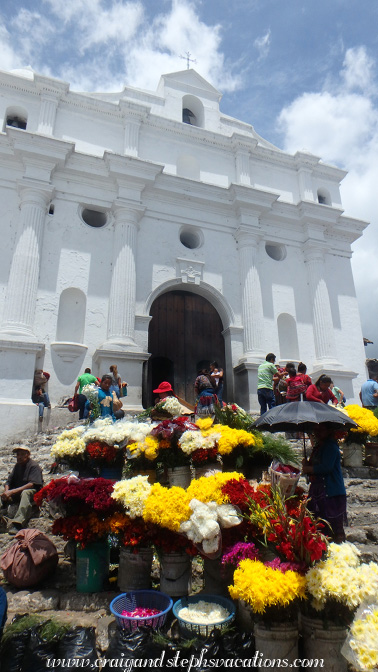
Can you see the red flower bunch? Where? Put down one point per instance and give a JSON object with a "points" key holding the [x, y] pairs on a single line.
{"points": [[173, 429], [80, 495], [239, 492], [294, 533], [137, 533], [82, 529], [201, 456], [101, 452], [171, 542]]}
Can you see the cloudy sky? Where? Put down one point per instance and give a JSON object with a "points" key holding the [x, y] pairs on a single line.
{"points": [[304, 73]]}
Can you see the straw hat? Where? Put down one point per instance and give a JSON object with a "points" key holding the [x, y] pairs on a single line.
{"points": [[16, 448]]}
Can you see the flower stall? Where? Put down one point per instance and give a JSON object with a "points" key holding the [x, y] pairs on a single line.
{"points": [[176, 500], [357, 438]]}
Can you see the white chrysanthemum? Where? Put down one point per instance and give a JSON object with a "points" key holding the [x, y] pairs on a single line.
{"points": [[172, 406], [118, 432], [132, 493]]}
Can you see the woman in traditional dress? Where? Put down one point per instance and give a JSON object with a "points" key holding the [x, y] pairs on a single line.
{"points": [[327, 495], [206, 397]]}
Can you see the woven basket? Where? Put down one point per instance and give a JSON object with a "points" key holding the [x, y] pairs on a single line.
{"points": [[285, 482], [190, 630], [150, 599]]}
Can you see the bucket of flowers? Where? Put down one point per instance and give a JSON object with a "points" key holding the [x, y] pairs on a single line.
{"points": [[357, 438], [87, 515], [172, 459], [273, 592], [332, 604]]}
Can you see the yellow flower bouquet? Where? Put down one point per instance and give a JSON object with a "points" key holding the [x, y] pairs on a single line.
{"points": [[272, 594], [366, 421], [340, 583]]}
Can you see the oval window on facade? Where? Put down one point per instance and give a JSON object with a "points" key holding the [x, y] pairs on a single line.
{"points": [[191, 238], [275, 251], [95, 218]]}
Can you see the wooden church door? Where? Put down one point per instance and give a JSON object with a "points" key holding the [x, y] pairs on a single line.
{"points": [[185, 334]]}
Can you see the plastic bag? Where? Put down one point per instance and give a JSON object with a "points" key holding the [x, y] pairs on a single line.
{"points": [[125, 645], [37, 653], [73, 404], [78, 644], [12, 651], [361, 645]]}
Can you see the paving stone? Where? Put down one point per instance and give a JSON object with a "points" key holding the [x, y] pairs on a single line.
{"points": [[25, 601], [73, 601], [356, 534]]}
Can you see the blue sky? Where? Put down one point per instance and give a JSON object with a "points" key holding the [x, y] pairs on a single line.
{"points": [[303, 73]]}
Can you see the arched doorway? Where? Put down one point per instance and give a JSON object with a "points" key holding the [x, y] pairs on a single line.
{"points": [[185, 333]]}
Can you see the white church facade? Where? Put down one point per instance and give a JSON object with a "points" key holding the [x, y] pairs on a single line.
{"points": [[150, 230]]}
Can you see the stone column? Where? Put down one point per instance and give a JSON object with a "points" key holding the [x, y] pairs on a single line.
{"points": [[121, 316], [324, 337], [20, 303], [47, 114], [252, 304]]}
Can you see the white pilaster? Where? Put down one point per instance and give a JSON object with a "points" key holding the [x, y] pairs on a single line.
{"points": [[242, 163], [47, 114], [22, 290], [121, 316], [324, 337], [252, 304], [131, 139]]}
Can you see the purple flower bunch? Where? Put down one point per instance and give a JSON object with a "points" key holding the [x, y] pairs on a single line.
{"points": [[238, 552], [285, 566]]}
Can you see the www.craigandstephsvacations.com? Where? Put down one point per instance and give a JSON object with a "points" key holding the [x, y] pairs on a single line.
{"points": [[186, 663]]}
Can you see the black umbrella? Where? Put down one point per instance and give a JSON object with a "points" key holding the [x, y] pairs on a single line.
{"points": [[302, 416]]}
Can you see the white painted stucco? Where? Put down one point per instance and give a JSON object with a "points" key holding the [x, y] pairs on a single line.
{"points": [[130, 155]]}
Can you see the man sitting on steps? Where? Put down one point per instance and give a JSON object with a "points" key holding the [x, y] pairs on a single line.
{"points": [[23, 482]]}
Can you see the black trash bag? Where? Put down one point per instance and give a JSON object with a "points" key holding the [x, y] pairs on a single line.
{"points": [[12, 651], [238, 645], [78, 644], [205, 649], [38, 652], [126, 645]]}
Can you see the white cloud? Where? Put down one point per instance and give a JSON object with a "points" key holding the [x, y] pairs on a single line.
{"points": [[341, 126], [262, 44], [358, 69], [103, 44], [9, 58]]}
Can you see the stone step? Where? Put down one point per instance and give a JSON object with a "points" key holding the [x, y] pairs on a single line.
{"points": [[362, 515]]}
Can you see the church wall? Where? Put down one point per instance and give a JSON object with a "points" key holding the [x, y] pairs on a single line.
{"points": [[91, 135], [283, 182]]}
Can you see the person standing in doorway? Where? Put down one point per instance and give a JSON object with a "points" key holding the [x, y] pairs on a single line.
{"points": [[267, 373], [216, 374]]}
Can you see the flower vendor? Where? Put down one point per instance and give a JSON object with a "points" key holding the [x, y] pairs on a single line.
{"points": [[108, 401], [327, 495]]}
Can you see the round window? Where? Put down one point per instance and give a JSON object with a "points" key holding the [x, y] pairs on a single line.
{"points": [[275, 251], [191, 238], [94, 218]]}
